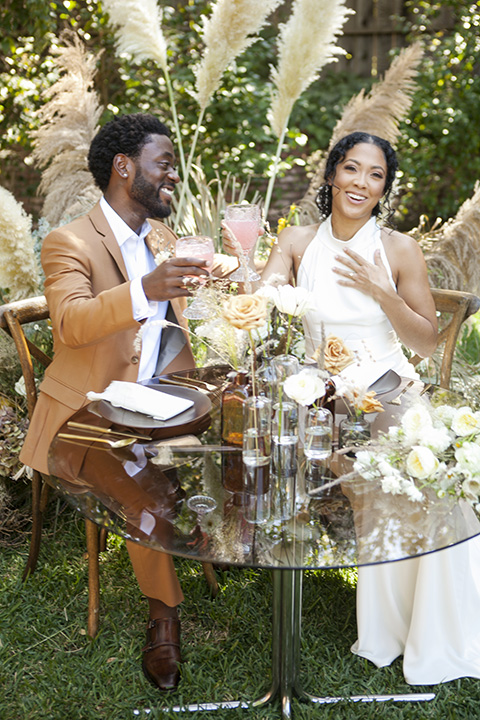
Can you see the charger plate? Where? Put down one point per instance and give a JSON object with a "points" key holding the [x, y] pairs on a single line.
{"points": [[186, 422]]}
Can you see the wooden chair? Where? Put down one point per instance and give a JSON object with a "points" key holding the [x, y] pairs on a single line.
{"points": [[13, 317], [458, 306]]}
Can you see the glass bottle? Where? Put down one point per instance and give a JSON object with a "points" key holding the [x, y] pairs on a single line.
{"points": [[353, 431], [233, 400]]}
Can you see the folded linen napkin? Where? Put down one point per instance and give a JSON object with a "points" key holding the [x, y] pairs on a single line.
{"points": [[138, 398]]}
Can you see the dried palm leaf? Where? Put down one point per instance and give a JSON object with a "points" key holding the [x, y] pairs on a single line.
{"points": [[452, 252], [69, 121], [379, 113]]}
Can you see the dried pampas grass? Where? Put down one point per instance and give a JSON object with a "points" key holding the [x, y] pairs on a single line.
{"points": [[229, 31], [379, 113], [306, 43], [139, 25], [452, 252], [19, 275], [69, 121]]}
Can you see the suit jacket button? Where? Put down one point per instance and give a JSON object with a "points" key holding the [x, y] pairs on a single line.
{"points": [[135, 359]]}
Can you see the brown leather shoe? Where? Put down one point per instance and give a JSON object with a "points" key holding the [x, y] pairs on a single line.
{"points": [[161, 659]]}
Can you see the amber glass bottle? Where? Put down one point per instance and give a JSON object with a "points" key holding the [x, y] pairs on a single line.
{"points": [[233, 399]]}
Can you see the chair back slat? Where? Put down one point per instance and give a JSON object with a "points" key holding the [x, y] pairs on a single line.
{"points": [[460, 305]]}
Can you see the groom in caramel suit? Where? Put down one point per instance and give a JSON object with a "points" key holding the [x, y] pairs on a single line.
{"points": [[102, 284]]}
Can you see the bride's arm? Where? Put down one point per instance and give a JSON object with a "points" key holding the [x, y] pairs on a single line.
{"points": [[411, 310]]}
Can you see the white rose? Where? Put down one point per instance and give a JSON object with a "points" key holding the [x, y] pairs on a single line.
{"points": [[305, 387], [468, 456], [421, 463], [465, 421], [437, 439], [445, 414], [293, 300], [414, 421]]}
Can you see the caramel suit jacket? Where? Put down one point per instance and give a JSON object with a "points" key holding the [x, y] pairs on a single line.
{"points": [[88, 295]]}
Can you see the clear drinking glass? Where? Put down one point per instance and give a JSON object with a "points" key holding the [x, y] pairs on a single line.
{"points": [[257, 431], [244, 222], [197, 246], [318, 434]]}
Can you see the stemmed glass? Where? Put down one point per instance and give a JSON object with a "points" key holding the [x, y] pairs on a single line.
{"points": [[244, 222], [197, 246]]}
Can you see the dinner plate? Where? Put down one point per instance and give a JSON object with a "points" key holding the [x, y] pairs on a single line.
{"points": [[185, 422], [386, 383]]}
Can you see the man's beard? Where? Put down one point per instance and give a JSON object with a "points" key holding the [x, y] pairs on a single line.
{"points": [[145, 193]]}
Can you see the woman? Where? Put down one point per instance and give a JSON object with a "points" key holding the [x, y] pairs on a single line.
{"points": [[370, 286]]}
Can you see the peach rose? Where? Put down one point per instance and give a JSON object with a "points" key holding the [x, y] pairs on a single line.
{"points": [[337, 355], [245, 312], [370, 404]]}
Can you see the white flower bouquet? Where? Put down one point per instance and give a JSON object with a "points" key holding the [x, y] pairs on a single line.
{"points": [[433, 447]]}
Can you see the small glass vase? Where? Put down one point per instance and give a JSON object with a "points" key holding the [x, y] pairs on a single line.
{"points": [[353, 431], [284, 437]]}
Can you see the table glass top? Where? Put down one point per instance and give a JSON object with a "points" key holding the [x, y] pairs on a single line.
{"points": [[194, 497]]}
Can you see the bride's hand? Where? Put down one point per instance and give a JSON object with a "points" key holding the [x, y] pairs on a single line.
{"points": [[370, 279]]}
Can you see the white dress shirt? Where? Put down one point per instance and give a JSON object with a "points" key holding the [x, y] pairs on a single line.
{"points": [[138, 262]]}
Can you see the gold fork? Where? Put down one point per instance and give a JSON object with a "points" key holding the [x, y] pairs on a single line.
{"points": [[397, 400]]}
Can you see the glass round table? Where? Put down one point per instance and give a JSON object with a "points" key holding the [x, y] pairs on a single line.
{"points": [[192, 496]]}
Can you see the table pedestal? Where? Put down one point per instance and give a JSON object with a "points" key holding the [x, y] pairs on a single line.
{"points": [[286, 658]]}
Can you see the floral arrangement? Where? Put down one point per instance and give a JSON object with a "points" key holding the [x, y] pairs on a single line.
{"points": [[436, 448]]}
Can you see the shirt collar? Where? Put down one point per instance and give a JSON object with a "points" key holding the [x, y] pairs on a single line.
{"points": [[120, 229]]}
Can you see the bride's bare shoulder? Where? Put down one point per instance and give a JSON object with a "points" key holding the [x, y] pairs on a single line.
{"points": [[297, 236]]}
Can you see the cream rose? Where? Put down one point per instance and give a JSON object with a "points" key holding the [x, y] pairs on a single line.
{"points": [[337, 356], [245, 312], [465, 421], [421, 463], [295, 301], [305, 387], [414, 422], [468, 456]]}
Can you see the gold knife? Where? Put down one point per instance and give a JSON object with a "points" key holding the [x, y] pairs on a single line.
{"points": [[99, 429]]}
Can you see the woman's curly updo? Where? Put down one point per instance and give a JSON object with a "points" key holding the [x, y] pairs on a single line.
{"points": [[337, 154]]}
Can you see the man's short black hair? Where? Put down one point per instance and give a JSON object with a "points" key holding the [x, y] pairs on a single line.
{"points": [[126, 134]]}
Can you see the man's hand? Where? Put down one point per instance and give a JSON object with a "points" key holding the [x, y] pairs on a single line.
{"points": [[173, 278]]}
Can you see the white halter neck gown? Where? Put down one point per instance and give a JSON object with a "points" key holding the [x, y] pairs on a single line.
{"points": [[426, 609], [346, 312]]}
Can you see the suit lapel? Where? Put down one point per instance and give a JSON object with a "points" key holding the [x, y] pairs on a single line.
{"points": [[106, 236]]}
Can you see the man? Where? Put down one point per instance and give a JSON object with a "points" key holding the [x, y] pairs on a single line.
{"points": [[102, 284]]}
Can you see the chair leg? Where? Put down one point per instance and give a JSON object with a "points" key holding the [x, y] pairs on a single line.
{"points": [[38, 508], [211, 578], [91, 531], [102, 539]]}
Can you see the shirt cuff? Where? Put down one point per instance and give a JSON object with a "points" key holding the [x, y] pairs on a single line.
{"points": [[141, 306]]}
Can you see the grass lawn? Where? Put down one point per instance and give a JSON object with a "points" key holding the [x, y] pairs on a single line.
{"points": [[50, 669]]}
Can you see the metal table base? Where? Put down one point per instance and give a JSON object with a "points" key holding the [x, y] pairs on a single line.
{"points": [[286, 656]]}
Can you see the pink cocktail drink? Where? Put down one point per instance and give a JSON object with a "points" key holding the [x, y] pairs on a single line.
{"points": [[196, 247], [245, 231]]}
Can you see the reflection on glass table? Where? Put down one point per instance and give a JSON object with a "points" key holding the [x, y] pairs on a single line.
{"points": [[192, 497]]}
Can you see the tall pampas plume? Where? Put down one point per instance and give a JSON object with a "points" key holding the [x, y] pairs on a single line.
{"points": [[379, 112], [306, 43], [69, 121], [19, 273], [138, 30], [231, 28], [139, 26], [452, 251]]}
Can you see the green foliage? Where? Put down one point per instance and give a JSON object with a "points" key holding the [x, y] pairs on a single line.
{"points": [[440, 148]]}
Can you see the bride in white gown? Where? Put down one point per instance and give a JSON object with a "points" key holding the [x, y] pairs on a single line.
{"points": [[370, 287]]}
